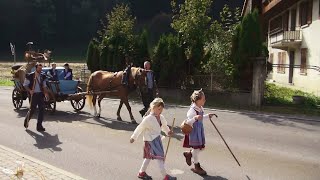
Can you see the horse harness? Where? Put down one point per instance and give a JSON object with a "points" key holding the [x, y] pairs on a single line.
{"points": [[114, 75]]}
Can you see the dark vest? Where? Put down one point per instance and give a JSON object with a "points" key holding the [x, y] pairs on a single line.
{"points": [[65, 73], [54, 74], [30, 77]]}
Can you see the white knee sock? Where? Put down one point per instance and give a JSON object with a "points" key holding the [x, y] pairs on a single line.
{"points": [[195, 155], [145, 164], [162, 168]]}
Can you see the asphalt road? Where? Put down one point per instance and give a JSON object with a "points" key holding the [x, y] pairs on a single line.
{"points": [[267, 147]]}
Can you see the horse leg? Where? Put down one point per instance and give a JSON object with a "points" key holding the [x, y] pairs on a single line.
{"points": [[118, 112], [99, 103], [126, 102], [94, 100]]}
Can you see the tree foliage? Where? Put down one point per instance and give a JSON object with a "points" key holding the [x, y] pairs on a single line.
{"points": [[191, 22], [93, 56], [197, 43], [218, 46], [116, 38], [169, 61], [247, 44]]}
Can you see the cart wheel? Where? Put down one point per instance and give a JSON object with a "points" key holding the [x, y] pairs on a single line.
{"points": [[17, 99], [78, 104], [50, 106]]}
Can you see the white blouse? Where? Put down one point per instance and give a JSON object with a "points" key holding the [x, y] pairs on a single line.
{"points": [[150, 128], [192, 113]]}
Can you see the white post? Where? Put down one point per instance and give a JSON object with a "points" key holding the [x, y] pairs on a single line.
{"points": [[14, 53]]}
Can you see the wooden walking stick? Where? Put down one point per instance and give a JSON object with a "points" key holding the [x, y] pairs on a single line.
{"points": [[224, 140], [174, 119]]}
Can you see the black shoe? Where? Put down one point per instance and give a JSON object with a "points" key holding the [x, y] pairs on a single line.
{"points": [[26, 122], [40, 129], [142, 112], [134, 122]]}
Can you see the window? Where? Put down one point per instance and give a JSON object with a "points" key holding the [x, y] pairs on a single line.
{"points": [[303, 66], [276, 24], [306, 12], [281, 62], [285, 20]]}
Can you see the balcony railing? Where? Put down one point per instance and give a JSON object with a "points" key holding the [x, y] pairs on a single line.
{"points": [[286, 37], [292, 36]]}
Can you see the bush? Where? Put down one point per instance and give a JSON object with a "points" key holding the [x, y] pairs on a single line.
{"points": [[169, 61], [276, 95], [93, 55]]}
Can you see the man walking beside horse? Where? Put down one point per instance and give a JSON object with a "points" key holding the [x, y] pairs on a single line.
{"points": [[152, 90]]}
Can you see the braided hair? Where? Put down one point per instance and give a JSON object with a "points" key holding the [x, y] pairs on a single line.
{"points": [[196, 95]]}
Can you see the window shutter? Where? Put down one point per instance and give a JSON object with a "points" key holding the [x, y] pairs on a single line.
{"points": [[310, 7], [283, 61], [279, 62], [303, 66]]}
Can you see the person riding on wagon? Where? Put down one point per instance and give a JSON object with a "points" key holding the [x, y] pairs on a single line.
{"points": [[67, 73], [53, 72]]}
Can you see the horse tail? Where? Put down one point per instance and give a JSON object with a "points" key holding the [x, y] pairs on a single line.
{"points": [[89, 96]]}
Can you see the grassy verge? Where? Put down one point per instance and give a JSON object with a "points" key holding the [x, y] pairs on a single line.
{"points": [[5, 82], [276, 95], [5, 69]]}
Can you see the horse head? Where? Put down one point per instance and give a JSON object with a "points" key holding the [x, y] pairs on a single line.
{"points": [[139, 76]]}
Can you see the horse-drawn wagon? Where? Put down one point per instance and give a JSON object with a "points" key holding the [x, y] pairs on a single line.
{"points": [[61, 90]]}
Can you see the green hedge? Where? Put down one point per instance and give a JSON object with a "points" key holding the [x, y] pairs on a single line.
{"points": [[277, 95]]}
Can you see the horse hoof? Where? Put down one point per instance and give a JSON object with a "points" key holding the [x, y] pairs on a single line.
{"points": [[134, 122], [98, 115], [119, 118]]}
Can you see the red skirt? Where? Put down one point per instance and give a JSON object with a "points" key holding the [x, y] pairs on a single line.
{"points": [[153, 149], [187, 145]]}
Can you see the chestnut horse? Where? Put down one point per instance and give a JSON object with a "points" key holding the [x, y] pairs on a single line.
{"points": [[102, 81]]}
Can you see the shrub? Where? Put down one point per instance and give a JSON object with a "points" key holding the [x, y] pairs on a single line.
{"points": [[277, 95]]}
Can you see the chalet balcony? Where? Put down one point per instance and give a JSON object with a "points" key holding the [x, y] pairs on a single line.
{"points": [[285, 39]]}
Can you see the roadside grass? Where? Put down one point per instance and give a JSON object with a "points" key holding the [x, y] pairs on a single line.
{"points": [[6, 82], [5, 69], [276, 95]]}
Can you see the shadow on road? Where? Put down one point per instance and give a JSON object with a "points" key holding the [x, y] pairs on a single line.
{"points": [[282, 121], [58, 116], [45, 141], [114, 124], [177, 133], [208, 177]]}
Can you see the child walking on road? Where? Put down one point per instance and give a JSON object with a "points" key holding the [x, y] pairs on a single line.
{"points": [[151, 126], [196, 139]]}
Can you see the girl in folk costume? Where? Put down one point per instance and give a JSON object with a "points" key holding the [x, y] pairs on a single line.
{"points": [[151, 126], [196, 139]]}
